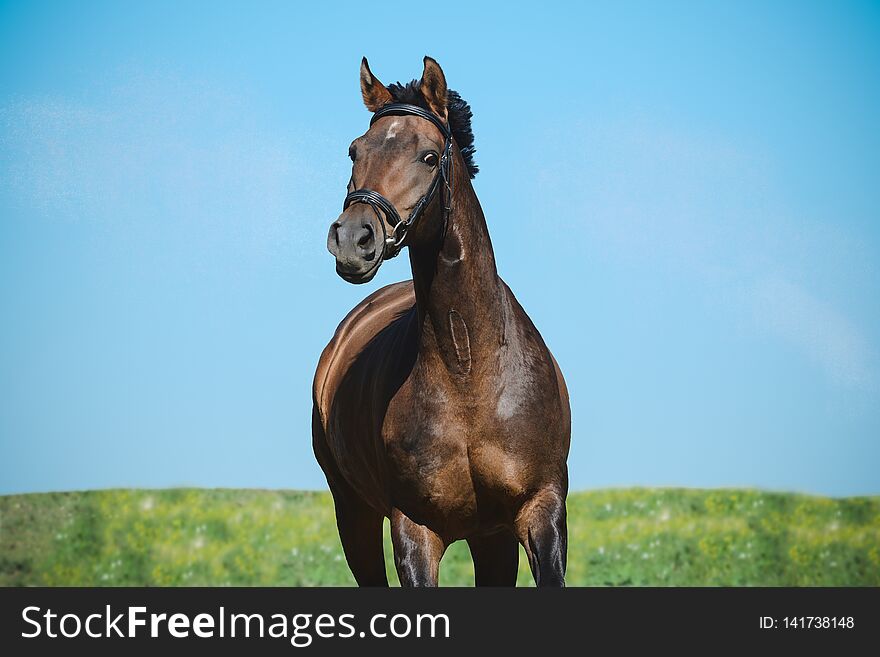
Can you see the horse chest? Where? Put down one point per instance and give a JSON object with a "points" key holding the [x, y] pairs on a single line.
{"points": [[449, 465], [429, 464]]}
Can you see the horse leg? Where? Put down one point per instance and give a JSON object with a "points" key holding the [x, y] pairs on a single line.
{"points": [[541, 528], [417, 551], [496, 558], [359, 525], [360, 530]]}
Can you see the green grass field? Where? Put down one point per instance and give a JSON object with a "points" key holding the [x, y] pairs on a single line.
{"points": [[616, 537]]}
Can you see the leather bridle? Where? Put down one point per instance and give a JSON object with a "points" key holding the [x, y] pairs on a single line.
{"points": [[392, 244]]}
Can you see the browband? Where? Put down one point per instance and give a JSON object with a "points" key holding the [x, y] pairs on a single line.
{"points": [[401, 109]]}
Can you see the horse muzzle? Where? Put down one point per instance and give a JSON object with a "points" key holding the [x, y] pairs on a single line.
{"points": [[356, 242]]}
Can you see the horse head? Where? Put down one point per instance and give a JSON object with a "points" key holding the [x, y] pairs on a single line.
{"points": [[400, 190]]}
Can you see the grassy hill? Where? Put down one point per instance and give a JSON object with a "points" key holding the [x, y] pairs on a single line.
{"points": [[253, 537]]}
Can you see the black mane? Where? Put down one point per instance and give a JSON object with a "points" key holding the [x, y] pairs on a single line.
{"points": [[459, 117]]}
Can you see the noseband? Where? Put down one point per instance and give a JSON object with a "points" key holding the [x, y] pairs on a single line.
{"points": [[391, 244]]}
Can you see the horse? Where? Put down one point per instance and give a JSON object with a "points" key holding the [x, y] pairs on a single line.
{"points": [[437, 403]]}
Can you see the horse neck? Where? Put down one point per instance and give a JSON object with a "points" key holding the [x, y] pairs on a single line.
{"points": [[457, 289]]}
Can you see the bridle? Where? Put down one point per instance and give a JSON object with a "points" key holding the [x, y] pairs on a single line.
{"points": [[393, 243]]}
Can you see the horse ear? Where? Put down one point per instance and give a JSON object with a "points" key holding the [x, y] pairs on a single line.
{"points": [[433, 87], [374, 92]]}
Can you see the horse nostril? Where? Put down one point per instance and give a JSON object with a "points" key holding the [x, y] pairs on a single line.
{"points": [[334, 232], [367, 237]]}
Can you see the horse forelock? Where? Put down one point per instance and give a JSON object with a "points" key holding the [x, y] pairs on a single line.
{"points": [[460, 116]]}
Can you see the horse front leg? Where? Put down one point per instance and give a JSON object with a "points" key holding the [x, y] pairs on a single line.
{"points": [[541, 529], [417, 551]]}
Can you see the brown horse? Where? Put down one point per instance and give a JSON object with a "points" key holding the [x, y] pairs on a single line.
{"points": [[437, 403]]}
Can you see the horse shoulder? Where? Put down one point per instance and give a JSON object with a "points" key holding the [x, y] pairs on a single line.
{"points": [[529, 367]]}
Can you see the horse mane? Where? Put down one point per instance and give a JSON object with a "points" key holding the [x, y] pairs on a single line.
{"points": [[460, 116]]}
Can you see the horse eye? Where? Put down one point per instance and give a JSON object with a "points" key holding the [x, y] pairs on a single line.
{"points": [[430, 159], [352, 152]]}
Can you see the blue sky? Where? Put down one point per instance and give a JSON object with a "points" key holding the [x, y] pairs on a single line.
{"points": [[683, 196]]}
